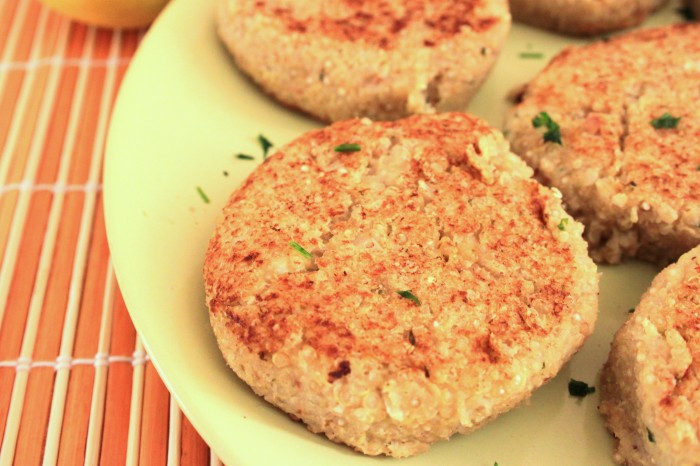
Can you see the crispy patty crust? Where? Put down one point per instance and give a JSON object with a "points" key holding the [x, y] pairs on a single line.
{"points": [[583, 17], [628, 158], [393, 283], [650, 386], [338, 59]]}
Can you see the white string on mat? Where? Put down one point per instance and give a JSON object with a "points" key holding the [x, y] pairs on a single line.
{"points": [[99, 387], [63, 363], [55, 188], [133, 443], [14, 415], [100, 360], [139, 358], [75, 291], [23, 364], [174, 433], [56, 60]]}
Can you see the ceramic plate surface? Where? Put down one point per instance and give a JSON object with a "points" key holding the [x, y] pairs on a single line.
{"points": [[182, 114]]}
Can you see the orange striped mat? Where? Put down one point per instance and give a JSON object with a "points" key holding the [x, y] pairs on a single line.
{"points": [[76, 386]]}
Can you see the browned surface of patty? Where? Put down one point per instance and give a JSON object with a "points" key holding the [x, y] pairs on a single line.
{"points": [[650, 386], [387, 59], [636, 187], [583, 17], [380, 22], [435, 205]]}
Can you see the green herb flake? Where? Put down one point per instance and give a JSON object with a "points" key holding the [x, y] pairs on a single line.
{"points": [[409, 295], [698, 168], [265, 144], [665, 121], [553, 133], [245, 157], [563, 223], [347, 148], [531, 55], [300, 249], [580, 389], [203, 195], [650, 436], [630, 310]]}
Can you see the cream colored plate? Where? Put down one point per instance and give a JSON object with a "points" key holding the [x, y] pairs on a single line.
{"points": [[183, 112]]}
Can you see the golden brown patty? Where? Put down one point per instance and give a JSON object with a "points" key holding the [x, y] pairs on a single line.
{"points": [[650, 386], [386, 59], [393, 295], [583, 17], [628, 169]]}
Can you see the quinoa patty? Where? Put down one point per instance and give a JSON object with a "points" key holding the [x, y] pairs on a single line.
{"points": [[650, 386], [583, 17], [628, 159], [386, 59], [393, 283]]}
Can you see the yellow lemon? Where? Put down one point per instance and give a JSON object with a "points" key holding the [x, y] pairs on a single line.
{"points": [[110, 13]]}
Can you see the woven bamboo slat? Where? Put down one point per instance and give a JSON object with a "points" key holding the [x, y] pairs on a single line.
{"points": [[76, 386]]}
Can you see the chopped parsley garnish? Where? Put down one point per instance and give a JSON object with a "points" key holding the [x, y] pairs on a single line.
{"points": [[665, 121], [409, 295], [563, 223], [630, 310], [202, 194], [650, 436], [245, 157], [534, 55], [300, 249], [347, 148], [553, 133], [265, 144], [580, 389]]}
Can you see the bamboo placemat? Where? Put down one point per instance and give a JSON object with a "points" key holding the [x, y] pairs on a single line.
{"points": [[76, 386]]}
